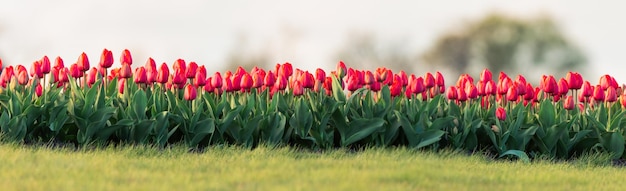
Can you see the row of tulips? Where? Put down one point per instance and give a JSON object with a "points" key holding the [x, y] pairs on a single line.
{"points": [[346, 107]]}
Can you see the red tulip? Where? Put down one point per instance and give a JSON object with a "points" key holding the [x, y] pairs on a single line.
{"points": [[191, 70], [521, 80], [369, 77], [404, 77], [121, 83], [611, 95], [574, 80], [270, 79], [439, 81], [320, 75], [58, 63], [106, 59], [429, 80], [569, 103], [45, 65], [35, 70], [281, 82], [461, 95], [328, 85], [550, 85], [297, 88], [38, 90], [480, 87], [151, 71], [502, 76], [396, 88], [286, 70], [83, 63], [164, 74], [140, 75], [91, 76], [208, 87], [622, 99], [22, 77], [563, 87], [501, 114], [598, 93], [529, 92], [178, 79], [419, 85], [341, 69], [308, 81], [452, 93], [126, 58], [257, 79], [179, 64], [236, 79], [216, 81], [246, 82], [126, 71], [190, 93], [471, 91], [353, 83], [511, 94], [587, 89], [75, 71], [485, 76], [504, 85], [490, 88]]}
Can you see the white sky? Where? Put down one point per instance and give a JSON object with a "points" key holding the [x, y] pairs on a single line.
{"points": [[305, 33]]}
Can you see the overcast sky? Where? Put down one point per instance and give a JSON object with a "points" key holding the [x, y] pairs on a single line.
{"points": [[306, 33]]}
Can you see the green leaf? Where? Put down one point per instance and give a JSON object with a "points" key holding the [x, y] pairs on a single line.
{"points": [[430, 137], [547, 114], [361, 128], [140, 103], [338, 90], [521, 155], [616, 146]]}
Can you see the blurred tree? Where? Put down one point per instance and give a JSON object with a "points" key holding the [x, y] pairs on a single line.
{"points": [[242, 56], [363, 52], [503, 43]]}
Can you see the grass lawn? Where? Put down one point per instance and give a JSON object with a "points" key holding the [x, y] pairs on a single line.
{"points": [[230, 168]]}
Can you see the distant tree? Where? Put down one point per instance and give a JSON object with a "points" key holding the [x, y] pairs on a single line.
{"points": [[364, 52], [503, 43]]}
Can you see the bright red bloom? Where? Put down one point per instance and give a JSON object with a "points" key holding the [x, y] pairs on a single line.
{"points": [[587, 89], [611, 95], [286, 70], [257, 79], [75, 71], [246, 82], [328, 85], [404, 77], [369, 77], [452, 93], [126, 58], [480, 86], [297, 88], [529, 92], [550, 85], [180, 65], [140, 75], [45, 65], [83, 62], [504, 85], [307, 79], [429, 80], [375, 87], [125, 71], [461, 95], [191, 70], [563, 86], [353, 83], [471, 91], [439, 81], [190, 93], [490, 88], [511, 94], [164, 74], [208, 87], [151, 71], [270, 79], [568, 103], [622, 99], [106, 59], [63, 75], [320, 75], [418, 85], [179, 79], [216, 81], [91, 76], [485, 76], [521, 80], [38, 90], [574, 80], [58, 63], [598, 93], [396, 88], [281, 82], [35, 70], [501, 114]]}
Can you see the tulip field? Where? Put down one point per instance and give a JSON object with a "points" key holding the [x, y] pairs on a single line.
{"points": [[348, 108]]}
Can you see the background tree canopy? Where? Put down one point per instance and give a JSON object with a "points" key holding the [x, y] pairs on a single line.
{"points": [[502, 43]]}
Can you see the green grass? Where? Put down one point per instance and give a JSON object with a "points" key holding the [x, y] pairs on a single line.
{"points": [[230, 168]]}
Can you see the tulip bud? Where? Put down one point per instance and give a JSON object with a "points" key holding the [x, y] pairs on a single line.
{"points": [[164, 74], [270, 79], [121, 83], [550, 85], [439, 81], [622, 100], [429, 80], [179, 64], [91, 76], [501, 114], [369, 77], [58, 63], [191, 70], [511, 94], [490, 88], [569, 103], [375, 87], [320, 75], [179, 79], [611, 95], [126, 58], [246, 82], [151, 71], [574, 80], [216, 81], [83, 62], [125, 71], [396, 88], [22, 77], [286, 70], [281, 82], [341, 69], [563, 86], [471, 91], [38, 90], [298, 90], [598, 93], [140, 75], [485, 76], [106, 59], [35, 70], [75, 71], [45, 65], [208, 87], [461, 95], [200, 79], [452, 93], [190, 93], [419, 85]]}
